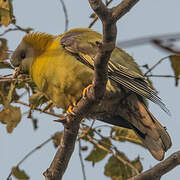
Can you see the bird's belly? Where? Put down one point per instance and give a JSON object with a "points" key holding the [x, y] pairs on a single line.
{"points": [[67, 93], [61, 81]]}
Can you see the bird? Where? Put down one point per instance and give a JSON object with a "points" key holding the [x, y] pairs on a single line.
{"points": [[62, 66]]}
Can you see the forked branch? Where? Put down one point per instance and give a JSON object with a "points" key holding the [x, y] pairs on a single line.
{"points": [[109, 17]]}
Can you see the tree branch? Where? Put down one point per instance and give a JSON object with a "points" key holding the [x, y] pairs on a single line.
{"points": [[96, 18], [65, 15], [155, 65], [160, 169], [29, 154], [17, 28], [81, 160], [110, 151], [168, 48], [161, 76], [144, 40], [123, 8], [93, 95]]}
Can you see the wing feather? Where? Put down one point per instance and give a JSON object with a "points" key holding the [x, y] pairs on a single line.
{"points": [[118, 73]]}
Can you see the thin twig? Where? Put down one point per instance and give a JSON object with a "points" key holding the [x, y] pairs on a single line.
{"points": [[38, 109], [81, 160], [163, 76], [11, 78], [7, 75], [26, 30], [94, 130], [122, 8], [92, 124], [65, 14], [100, 126], [17, 28], [90, 127], [111, 152], [150, 69], [6, 78], [9, 30], [96, 18], [29, 154], [92, 140]]}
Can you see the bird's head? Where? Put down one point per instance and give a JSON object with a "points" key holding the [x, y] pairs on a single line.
{"points": [[31, 46], [23, 56]]}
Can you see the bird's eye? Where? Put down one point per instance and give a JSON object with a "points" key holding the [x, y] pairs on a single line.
{"points": [[22, 55]]}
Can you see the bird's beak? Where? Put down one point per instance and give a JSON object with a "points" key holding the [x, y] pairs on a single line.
{"points": [[14, 61]]}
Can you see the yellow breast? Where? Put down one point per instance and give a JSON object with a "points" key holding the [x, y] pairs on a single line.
{"points": [[60, 75]]}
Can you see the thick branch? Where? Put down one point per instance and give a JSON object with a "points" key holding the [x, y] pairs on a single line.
{"points": [[96, 18], [123, 8], [93, 95], [160, 169]]}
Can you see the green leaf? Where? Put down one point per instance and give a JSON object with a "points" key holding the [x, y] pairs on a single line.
{"points": [[4, 89], [10, 94], [37, 99], [10, 116], [19, 174], [117, 170], [137, 164], [175, 63], [57, 139], [86, 131], [124, 134], [7, 93], [3, 52], [97, 154]]}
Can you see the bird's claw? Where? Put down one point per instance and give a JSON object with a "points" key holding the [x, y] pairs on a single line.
{"points": [[85, 90], [70, 109]]}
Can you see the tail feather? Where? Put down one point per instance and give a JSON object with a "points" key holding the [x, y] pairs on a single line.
{"points": [[131, 112], [151, 132], [154, 146], [163, 134]]}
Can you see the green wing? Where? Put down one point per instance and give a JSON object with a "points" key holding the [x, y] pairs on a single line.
{"points": [[122, 69]]}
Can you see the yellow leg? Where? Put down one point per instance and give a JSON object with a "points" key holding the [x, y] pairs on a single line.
{"points": [[70, 109], [86, 89]]}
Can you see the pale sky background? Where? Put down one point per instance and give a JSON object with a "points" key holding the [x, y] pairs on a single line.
{"points": [[146, 18]]}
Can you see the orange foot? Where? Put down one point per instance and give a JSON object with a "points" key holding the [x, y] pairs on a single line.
{"points": [[86, 89], [70, 109]]}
